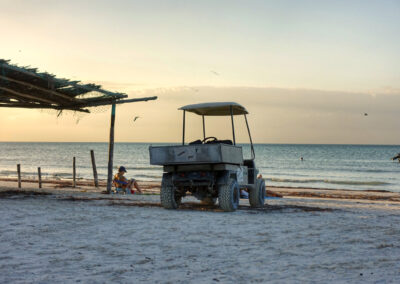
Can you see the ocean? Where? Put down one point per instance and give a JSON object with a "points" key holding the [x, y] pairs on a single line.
{"points": [[357, 167]]}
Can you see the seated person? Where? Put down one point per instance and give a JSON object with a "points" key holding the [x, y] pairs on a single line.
{"points": [[244, 194], [396, 157], [121, 182]]}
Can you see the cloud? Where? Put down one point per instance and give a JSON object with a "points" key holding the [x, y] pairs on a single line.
{"points": [[280, 115], [306, 99], [277, 115]]}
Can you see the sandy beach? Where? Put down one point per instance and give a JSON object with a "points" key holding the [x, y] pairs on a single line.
{"points": [[152, 187], [81, 235], [207, 97]]}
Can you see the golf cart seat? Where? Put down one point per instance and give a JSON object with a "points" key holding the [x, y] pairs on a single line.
{"points": [[216, 141], [229, 142]]}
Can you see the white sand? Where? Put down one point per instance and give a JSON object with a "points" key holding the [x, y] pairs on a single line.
{"points": [[47, 239]]}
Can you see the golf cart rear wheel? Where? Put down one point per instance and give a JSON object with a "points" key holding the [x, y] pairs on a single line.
{"points": [[170, 199], [257, 194], [228, 196]]}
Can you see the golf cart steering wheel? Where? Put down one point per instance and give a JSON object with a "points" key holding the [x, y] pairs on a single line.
{"points": [[209, 139]]}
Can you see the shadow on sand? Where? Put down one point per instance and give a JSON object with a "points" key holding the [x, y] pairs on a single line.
{"points": [[192, 206]]}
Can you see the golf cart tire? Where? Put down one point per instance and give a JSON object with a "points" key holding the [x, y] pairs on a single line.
{"points": [[257, 194], [168, 197], [228, 196]]}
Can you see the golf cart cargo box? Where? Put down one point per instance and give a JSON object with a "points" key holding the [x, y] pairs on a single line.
{"points": [[196, 154]]}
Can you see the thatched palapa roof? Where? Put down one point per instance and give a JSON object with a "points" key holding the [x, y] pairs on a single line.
{"points": [[25, 87]]}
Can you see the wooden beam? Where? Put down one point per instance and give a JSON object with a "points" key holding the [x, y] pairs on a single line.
{"points": [[54, 93], [4, 99], [34, 98], [108, 102], [37, 106], [79, 107]]}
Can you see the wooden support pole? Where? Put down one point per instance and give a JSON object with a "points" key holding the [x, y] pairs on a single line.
{"points": [[39, 177], [19, 175], [111, 150], [96, 181], [74, 172]]}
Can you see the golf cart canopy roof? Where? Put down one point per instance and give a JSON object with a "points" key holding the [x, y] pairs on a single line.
{"points": [[216, 109]]}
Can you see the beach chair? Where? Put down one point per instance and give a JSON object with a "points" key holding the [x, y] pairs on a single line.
{"points": [[118, 189]]}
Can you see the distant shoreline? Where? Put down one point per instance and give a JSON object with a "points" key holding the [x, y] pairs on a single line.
{"points": [[180, 142]]}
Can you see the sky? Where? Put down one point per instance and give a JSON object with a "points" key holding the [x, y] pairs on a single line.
{"points": [[307, 71]]}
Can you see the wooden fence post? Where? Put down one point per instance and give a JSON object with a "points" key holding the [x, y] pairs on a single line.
{"points": [[39, 177], [96, 181], [19, 175], [74, 172], [111, 150]]}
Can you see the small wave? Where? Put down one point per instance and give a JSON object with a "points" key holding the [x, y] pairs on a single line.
{"points": [[342, 182], [131, 169], [145, 168], [44, 174], [24, 173], [61, 174], [373, 171], [357, 182], [6, 173], [293, 180]]}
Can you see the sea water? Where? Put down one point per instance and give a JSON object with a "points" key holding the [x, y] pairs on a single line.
{"points": [[357, 167]]}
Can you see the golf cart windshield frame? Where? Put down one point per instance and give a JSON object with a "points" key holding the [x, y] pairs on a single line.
{"points": [[217, 109]]}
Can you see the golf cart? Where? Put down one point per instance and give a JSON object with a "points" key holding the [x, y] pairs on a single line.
{"points": [[210, 168]]}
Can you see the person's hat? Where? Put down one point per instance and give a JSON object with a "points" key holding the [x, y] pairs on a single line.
{"points": [[122, 169]]}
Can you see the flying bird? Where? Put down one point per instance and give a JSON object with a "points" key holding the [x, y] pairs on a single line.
{"points": [[215, 73], [136, 117], [365, 114]]}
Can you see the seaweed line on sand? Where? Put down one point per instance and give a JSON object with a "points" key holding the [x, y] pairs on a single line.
{"points": [[23, 193], [214, 208]]}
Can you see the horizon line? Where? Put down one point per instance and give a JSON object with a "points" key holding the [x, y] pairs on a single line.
{"points": [[261, 143]]}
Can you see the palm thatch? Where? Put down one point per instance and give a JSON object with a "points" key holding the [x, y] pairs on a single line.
{"points": [[25, 87]]}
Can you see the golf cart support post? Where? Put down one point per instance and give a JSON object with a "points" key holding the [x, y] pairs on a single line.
{"points": [[217, 109]]}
